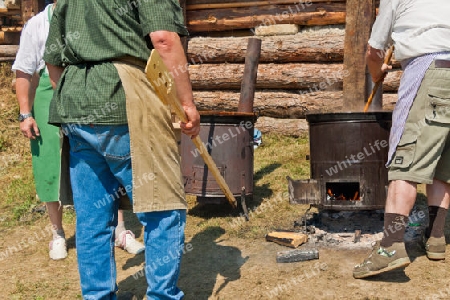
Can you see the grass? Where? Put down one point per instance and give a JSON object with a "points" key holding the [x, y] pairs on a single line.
{"points": [[278, 157], [269, 209]]}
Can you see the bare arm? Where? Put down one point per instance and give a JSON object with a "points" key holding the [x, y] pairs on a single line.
{"points": [[375, 63], [25, 91], [54, 73], [169, 47]]}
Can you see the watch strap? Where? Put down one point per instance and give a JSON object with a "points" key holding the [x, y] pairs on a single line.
{"points": [[24, 116]]}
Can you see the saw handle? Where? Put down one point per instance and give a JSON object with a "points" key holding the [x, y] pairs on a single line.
{"points": [[164, 85]]}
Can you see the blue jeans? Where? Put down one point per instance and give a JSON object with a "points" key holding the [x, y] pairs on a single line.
{"points": [[100, 170]]}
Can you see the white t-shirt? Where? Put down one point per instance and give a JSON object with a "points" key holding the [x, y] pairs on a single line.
{"points": [[416, 27], [32, 43]]}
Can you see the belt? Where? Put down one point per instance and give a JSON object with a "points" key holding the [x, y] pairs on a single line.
{"points": [[131, 61], [441, 63]]}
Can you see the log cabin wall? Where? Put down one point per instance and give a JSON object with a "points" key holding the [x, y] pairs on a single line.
{"points": [[13, 15], [300, 69], [301, 65]]}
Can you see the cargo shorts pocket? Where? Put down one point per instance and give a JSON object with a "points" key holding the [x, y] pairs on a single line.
{"points": [[438, 106], [404, 154]]}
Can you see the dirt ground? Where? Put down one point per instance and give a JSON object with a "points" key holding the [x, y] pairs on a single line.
{"points": [[219, 265]]}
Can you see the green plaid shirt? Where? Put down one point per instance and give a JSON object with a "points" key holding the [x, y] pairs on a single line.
{"points": [[85, 36]]}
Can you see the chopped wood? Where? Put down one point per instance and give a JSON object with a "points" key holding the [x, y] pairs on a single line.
{"points": [[287, 238], [297, 255]]}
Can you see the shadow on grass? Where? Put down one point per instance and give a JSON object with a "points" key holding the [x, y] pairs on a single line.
{"points": [[219, 206]]}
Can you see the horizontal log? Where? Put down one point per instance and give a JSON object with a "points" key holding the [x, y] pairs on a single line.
{"points": [[194, 2], [9, 12], [238, 3], [10, 59], [9, 38], [307, 77], [281, 104], [11, 28], [304, 19], [8, 50], [244, 18], [309, 46], [288, 127]]}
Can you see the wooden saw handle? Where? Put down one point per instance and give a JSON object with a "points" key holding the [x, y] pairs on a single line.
{"points": [[164, 85]]}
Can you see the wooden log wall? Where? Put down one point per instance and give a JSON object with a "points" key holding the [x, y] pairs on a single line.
{"points": [[298, 73], [12, 17]]}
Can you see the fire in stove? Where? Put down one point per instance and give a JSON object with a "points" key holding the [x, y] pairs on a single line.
{"points": [[333, 138], [344, 191]]}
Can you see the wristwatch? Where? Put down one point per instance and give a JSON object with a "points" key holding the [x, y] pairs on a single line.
{"points": [[22, 117]]}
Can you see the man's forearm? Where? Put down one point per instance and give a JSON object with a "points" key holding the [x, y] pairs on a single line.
{"points": [[375, 59], [169, 47], [24, 92], [54, 73]]}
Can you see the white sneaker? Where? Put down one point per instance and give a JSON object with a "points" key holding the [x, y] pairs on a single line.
{"points": [[58, 249], [126, 241]]}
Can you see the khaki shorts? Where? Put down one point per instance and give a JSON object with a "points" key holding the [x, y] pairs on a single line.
{"points": [[423, 152]]}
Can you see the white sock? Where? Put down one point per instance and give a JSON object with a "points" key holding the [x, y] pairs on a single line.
{"points": [[120, 228], [58, 233]]}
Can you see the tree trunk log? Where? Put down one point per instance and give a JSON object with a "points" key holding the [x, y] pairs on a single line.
{"points": [[310, 46], [8, 50], [306, 77], [250, 17], [9, 38], [289, 127], [280, 104], [8, 59], [208, 4]]}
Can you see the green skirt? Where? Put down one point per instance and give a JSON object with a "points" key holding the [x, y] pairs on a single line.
{"points": [[45, 149]]}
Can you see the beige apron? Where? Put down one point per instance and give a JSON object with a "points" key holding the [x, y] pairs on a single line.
{"points": [[155, 160]]}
